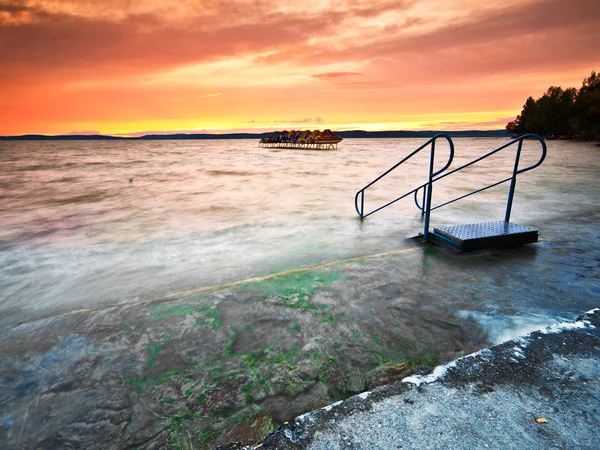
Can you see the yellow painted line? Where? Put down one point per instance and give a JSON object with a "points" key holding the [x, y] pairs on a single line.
{"points": [[273, 275], [219, 287]]}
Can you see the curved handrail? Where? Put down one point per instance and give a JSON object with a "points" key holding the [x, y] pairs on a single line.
{"points": [[516, 171], [431, 142]]}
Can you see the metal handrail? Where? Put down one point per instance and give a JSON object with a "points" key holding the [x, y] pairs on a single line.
{"points": [[432, 174], [512, 178]]}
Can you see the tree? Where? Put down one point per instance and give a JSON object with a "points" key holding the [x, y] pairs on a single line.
{"points": [[562, 113], [586, 121]]}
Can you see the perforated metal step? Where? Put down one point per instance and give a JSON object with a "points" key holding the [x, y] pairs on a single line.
{"points": [[478, 236]]}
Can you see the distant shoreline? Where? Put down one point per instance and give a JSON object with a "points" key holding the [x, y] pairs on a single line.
{"points": [[200, 136]]}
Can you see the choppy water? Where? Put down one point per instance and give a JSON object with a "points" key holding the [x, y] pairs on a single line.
{"points": [[76, 232]]}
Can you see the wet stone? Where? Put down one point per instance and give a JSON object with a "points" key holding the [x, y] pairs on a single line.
{"points": [[231, 365]]}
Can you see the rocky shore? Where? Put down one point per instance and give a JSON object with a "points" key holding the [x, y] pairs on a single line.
{"points": [[536, 391]]}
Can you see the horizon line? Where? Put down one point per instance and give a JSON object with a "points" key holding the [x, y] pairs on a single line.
{"points": [[163, 135]]}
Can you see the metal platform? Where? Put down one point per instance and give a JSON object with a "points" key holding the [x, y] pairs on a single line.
{"points": [[479, 236]]}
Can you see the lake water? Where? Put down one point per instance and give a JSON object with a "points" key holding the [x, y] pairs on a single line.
{"points": [[88, 224], [91, 223]]}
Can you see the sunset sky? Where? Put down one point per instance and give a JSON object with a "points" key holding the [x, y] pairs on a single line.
{"points": [[123, 67]]}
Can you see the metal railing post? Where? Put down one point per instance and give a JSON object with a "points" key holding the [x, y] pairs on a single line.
{"points": [[362, 204], [429, 189], [513, 183], [426, 191]]}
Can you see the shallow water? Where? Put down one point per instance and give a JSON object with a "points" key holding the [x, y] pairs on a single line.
{"points": [[77, 233]]}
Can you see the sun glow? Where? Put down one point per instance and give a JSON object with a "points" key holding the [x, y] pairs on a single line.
{"points": [[435, 64]]}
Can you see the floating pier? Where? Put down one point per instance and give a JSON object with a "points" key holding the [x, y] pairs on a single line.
{"points": [[323, 145]]}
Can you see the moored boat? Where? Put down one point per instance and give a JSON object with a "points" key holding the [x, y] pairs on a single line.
{"points": [[298, 139]]}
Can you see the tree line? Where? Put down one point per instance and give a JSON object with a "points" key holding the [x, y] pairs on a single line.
{"points": [[568, 113]]}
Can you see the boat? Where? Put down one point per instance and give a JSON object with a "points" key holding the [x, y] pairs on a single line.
{"points": [[298, 139]]}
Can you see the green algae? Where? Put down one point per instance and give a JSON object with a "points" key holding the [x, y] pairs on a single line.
{"points": [[406, 343], [234, 379], [132, 328], [177, 425], [315, 355], [269, 356], [380, 359], [151, 353], [229, 345], [295, 301], [139, 384], [253, 359], [251, 422], [168, 374], [248, 377], [211, 318], [286, 356], [293, 385], [430, 254], [434, 253], [144, 384], [337, 348], [206, 438], [375, 337], [296, 285], [328, 319], [207, 316]]}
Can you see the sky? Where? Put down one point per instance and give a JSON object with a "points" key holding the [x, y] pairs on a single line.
{"points": [[124, 67]]}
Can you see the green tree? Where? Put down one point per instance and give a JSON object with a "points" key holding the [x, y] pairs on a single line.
{"points": [[562, 113], [586, 120]]}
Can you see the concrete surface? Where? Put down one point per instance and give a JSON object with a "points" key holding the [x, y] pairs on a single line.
{"points": [[538, 391]]}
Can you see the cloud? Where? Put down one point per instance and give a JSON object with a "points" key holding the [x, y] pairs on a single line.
{"points": [[499, 123], [76, 40], [77, 62], [335, 75], [83, 133], [75, 47], [505, 40], [160, 132], [346, 79], [318, 120]]}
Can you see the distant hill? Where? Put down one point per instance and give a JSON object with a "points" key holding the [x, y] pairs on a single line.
{"points": [[424, 134], [69, 137], [344, 134]]}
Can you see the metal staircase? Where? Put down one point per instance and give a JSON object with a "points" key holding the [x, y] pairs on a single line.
{"points": [[471, 236]]}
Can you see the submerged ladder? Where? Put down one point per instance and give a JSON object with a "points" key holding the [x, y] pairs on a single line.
{"points": [[467, 237]]}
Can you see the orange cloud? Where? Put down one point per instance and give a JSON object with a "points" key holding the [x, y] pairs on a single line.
{"points": [[335, 75], [121, 67], [317, 120]]}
